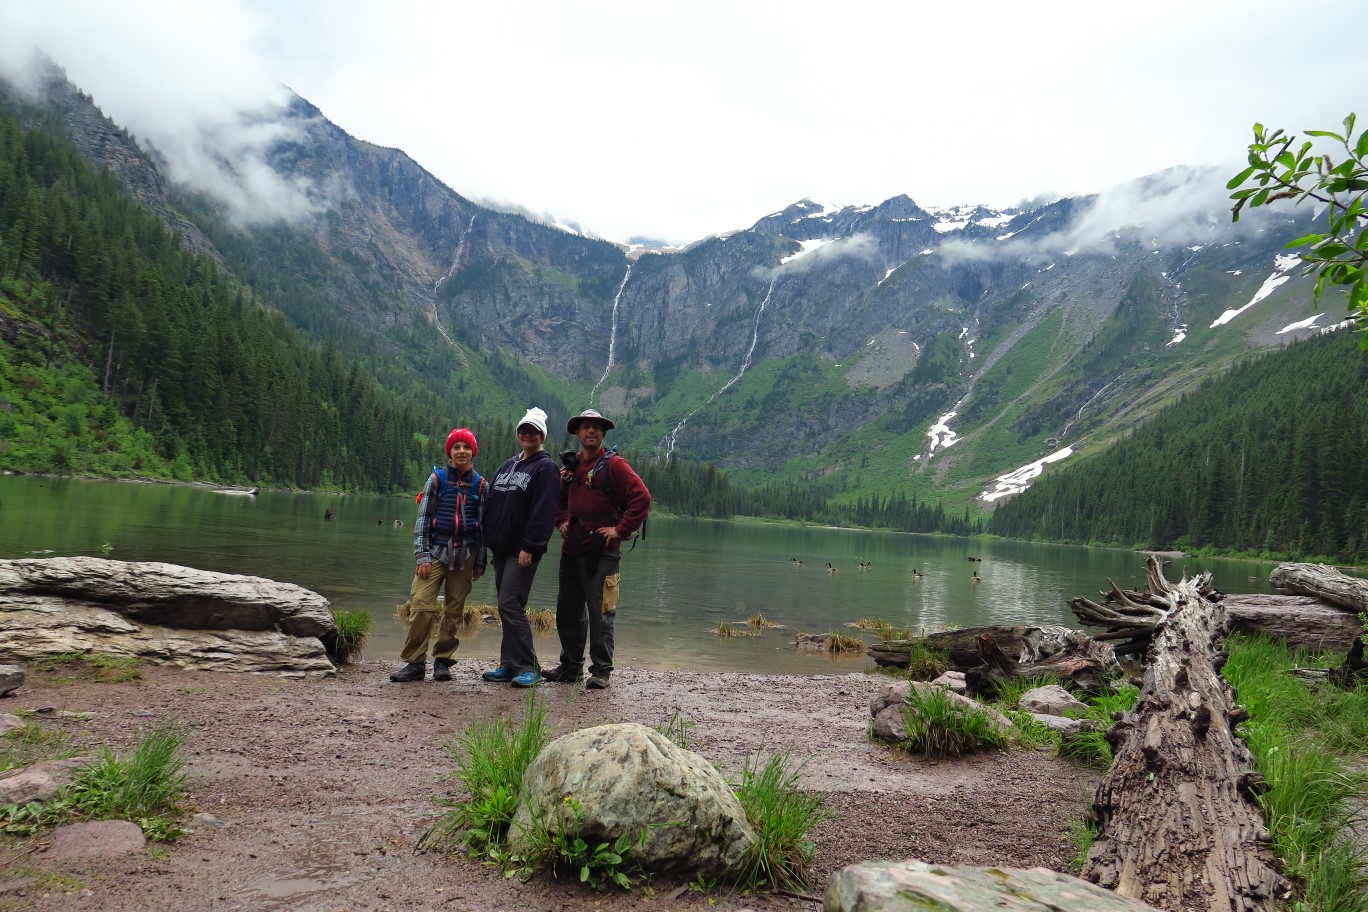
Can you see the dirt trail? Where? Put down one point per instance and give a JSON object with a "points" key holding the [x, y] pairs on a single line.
{"points": [[319, 790]]}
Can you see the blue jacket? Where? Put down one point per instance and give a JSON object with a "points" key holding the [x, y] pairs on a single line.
{"points": [[451, 513]]}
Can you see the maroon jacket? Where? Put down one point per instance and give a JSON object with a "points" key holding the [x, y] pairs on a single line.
{"points": [[621, 500]]}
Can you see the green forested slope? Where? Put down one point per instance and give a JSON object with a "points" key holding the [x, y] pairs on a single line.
{"points": [[1267, 459], [125, 354]]}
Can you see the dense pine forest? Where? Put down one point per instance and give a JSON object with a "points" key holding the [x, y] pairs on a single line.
{"points": [[1263, 461]]}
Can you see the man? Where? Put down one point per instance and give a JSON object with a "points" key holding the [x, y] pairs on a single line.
{"points": [[448, 550], [602, 501]]}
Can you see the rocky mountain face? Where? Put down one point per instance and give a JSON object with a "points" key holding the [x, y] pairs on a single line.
{"points": [[820, 340]]}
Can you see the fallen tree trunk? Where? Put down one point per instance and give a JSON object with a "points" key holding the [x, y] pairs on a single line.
{"points": [[1178, 823], [1347, 592], [1323, 582], [1024, 643], [1083, 662], [1300, 621]]}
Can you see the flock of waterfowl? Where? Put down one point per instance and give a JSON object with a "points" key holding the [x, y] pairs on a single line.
{"points": [[865, 566]]}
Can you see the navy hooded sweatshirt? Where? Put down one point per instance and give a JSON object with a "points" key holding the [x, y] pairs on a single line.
{"points": [[520, 508]]}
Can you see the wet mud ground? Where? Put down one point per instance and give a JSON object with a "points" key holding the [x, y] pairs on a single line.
{"points": [[321, 789]]}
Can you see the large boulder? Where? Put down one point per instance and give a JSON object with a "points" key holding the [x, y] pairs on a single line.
{"points": [[630, 779], [905, 886], [194, 619]]}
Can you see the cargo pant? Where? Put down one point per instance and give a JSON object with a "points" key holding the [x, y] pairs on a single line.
{"points": [[586, 607], [428, 616]]}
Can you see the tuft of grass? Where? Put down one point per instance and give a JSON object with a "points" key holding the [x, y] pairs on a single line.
{"points": [[472, 613], [725, 629], [116, 669], [782, 815], [541, 618], [758, 621], [678, 729], [491, 758], [145, 788], [925, 663], [1083, 831], [1011, 690], [353, 630], [838, 643], [937, 725], [55, 660], [32, 743]]}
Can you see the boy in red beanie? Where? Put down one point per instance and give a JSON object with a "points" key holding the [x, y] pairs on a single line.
{"points": [[448, 552]]}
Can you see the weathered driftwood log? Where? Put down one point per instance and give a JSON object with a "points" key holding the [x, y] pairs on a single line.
{"points": [[1347, 592], [1026, 643], [1325, 583], [1081, 661], [1300, 621], [1178, 824]]}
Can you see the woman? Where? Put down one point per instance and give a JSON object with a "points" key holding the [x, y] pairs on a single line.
{"points": [[520, 511]]}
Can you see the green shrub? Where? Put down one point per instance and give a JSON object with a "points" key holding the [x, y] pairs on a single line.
{"points": [[782, 815], [491, 758], [925, 663], [353, 629], [938, 725]]}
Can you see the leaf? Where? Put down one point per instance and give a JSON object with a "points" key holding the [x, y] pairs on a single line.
{"points": [[1325, 133], [1244, 176]]}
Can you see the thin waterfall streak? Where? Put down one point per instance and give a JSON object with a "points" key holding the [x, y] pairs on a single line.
{"points": [[612, 332], [669, 440], [455, 266]]}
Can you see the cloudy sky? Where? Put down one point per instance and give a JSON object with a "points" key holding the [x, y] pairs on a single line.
{"points": [[679, 120]]}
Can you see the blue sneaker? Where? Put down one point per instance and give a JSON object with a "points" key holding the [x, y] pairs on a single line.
{"points": [[527, 679], [500, 675]]}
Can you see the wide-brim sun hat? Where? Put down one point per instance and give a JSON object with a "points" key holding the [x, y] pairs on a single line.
{"points": [[572, 426]]}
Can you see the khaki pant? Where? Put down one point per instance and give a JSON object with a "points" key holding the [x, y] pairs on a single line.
{"points": [[426, 615]]}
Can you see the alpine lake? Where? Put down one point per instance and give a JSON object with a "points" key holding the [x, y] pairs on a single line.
{"points": [[679, 584]]}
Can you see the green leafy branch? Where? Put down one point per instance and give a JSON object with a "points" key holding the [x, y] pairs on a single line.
{"points": [[1280, 169]]}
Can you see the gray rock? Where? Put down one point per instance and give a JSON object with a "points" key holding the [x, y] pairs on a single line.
{"points": [[162, 613], [100, 839], [25, 786], [630, 779], [907, 886], [9, 722], [11, 679], [1062, 724], [1050, 700]]}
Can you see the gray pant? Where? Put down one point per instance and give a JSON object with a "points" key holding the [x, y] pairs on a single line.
{"points": [[513, 585], [582, 611]]}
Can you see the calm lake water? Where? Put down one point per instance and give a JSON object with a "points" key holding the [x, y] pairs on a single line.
{"points": [[678, 585]]}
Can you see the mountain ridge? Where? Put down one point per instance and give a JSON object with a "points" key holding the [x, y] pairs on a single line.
{"points": [[819, 343]]}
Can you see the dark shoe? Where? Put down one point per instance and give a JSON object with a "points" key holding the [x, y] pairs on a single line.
{"points": [[500, 675], [413, 671], [441, 670], [527, 679], [562, 674], [597, 681]]}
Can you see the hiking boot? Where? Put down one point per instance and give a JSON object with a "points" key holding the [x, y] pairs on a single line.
{"points": [[441, 670], [597, 681], [527, 679], [413, 671], [562, 674], [500, 675]]}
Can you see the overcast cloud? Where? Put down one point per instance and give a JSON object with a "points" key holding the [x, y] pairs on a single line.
{"points": [[680, 120]]}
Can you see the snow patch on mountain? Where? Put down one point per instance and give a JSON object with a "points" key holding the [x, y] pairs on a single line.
{"points": [[1019, 480], [1282, 268]]}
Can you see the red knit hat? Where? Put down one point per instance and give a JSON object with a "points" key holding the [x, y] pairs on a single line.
{"points": [[465, 435]]}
